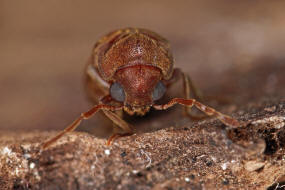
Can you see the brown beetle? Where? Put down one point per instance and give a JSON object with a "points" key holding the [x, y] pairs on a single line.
{"points": [[129, 70]]}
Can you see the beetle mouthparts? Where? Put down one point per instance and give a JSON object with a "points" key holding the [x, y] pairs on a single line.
{"points": [[136, 110]]}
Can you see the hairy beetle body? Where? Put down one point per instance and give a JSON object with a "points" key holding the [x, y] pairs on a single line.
{"points": [[131, 69]]}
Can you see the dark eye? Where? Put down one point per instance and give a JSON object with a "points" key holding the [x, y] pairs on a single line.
{"points": [[117, 92], [158, 91]]}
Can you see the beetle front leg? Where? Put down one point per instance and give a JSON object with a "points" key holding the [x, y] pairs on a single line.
{"points": [[83, 116], [227, 120], [117, 121], [126, 127]]}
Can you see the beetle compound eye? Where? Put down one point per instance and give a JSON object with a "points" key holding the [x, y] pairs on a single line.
{"points": [[117, 92], [158, 91]]}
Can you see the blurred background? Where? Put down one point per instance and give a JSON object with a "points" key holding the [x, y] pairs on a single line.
{"points": [[229, 48]]}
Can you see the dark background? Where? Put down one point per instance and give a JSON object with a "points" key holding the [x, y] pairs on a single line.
{"points": [[227, 47]]}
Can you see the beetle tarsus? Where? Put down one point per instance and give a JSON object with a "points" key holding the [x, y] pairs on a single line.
{"points": [[116, 136]]}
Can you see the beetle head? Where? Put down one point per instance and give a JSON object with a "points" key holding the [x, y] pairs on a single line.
{"points": [[138, 86]]}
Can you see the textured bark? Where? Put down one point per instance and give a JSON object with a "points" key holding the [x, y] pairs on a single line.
{"points": [[233, 52], [194, 156]]}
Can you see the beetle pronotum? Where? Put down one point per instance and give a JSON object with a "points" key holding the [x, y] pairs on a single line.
{"points": [[130, 69]]}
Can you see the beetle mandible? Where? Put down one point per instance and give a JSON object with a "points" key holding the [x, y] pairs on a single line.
{"points": [[130, 70]]}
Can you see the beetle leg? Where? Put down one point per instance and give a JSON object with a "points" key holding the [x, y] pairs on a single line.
{"points": [[116, 136], [117, 120], [83, 116], [127, 128], [227, 120], [188, 86]]}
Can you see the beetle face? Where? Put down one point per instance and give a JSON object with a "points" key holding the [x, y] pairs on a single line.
{"points": [[138, 87]]}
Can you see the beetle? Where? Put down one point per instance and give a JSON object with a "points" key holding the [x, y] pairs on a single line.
{"points": [[130, 70]]}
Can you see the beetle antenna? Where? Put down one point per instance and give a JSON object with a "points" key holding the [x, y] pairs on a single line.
{"points": [[227, 120]]}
